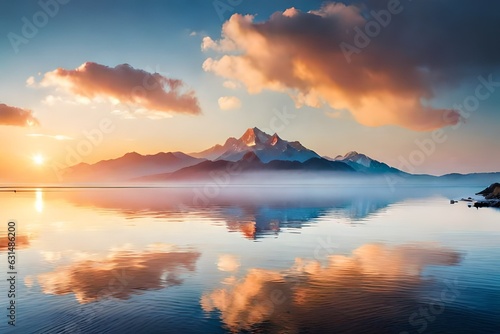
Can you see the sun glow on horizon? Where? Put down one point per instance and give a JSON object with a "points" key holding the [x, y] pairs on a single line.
{"points": [[38, 159]]}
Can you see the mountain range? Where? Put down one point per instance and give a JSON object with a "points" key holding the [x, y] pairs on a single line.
{"points": [[362, 163], [266, 147], [130, 166], [254, 152]]}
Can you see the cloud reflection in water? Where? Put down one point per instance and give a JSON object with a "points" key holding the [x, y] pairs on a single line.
{"points": [[373, 286], [120, 274]]}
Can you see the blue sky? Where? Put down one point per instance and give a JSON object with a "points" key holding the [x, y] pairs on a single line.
{"points": [[166, 37]]}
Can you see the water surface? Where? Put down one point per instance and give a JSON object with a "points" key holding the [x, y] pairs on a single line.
{"points": [[253, 259]]}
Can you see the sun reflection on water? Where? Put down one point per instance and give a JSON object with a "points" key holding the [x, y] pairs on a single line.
{"points": [[39, 200]]}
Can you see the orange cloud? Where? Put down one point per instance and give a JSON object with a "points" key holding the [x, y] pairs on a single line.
{"points": [[348, 287], [298, 53], [16, 116], [119, 275], [127, 85]]}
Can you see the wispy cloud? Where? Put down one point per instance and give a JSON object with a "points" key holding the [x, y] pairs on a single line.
{"points": [[56, 137], [231, 84], [334, 114], [30, 82]]}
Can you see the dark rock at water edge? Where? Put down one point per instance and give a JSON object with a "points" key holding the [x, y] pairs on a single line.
{"points": [[491, 195], [492, 192]]}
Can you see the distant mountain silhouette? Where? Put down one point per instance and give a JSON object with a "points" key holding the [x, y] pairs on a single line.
{"points": [[255, 151], [131, 165], [250, 162], [363, 163]]}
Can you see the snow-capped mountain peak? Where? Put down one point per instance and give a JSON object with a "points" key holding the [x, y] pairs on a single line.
{"points": [[254, 136], [275, 139], [356, 157], [363, 163], [351, 154], [265, 146]]}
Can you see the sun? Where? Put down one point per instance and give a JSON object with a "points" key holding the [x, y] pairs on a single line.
{"points": [[38, 159]]}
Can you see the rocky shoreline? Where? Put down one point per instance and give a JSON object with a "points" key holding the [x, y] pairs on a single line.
{"points": [[491, 197]]}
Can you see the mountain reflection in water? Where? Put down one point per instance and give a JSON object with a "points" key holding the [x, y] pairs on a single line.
{"points": [[253, 260]]}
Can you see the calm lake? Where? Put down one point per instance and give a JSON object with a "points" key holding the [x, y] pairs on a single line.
{"points": [[252, 260]]}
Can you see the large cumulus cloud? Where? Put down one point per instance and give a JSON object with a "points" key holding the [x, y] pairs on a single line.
{"points": [[426, 46], [127, 85]]}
